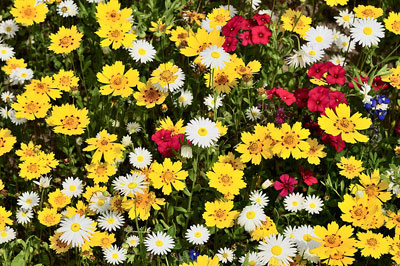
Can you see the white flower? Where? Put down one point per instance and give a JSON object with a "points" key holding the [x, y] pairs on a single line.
{"points": [[99, 203], [110, 221], [345, 43], [319, 37], [5, 112], [253, 260], [24, 216], [186, 151], [367, 31], [17, 121], [133, 241], [79, 141], [338, 60], [211, 102], [20, 75], [94, 1], [253, 113], [184, 99], [6, 52], [251, 217], [303, 237], [44, 181], [7, 97], [7, 235], [131, 184], [313, 204], [277, 247], [72, 187], [133, 127], [258, 198], [76, 230], [126, 141], [298, 59], [9, 27], [294, 202], [140, 158], [255, 4], [28, 200], [159, 243], [214, 57], [289, 231], [345, 18], [197, 234], [394, 188], [232, 9], [177, 80], [142, 51], [67, 8], [365, 89], [205, 24], [313, 53], [115, 255], [314, 258], [225, 255], [202, 132]]}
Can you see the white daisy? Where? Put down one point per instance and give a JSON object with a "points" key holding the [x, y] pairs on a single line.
{"points": [[294, 202], [110, 221], [79, 141], [336, 34], [313, 204], [133, 127], [126, 141], [225, 255], [232, 10], [6, 52], [211, 102], [177, 83], [28, 200], [253, 259], [197, 234], [7, 235], [313, 53], [214, 57], [277, 247], [131, 184], [94, 1], [289, 231], [24, 216], [140, 158], [9, 27], [365, 89], [67, 8], [20, 75], [99, 203], [255, 4], [159, 243], [44, 181], [7, 97], [319, 37], [142, 51], [72, 187], [303, 237], [345, 43], [299, 58], [17, 121], [133, 241], [251, 217], [205, 24], [345, 18], [186, 151], [76, 230], [5, 112], [253, 113], [258, 198], [314, 258], [367, 31], [338, 60], [115, 255], [184, 99], [202, 132]]}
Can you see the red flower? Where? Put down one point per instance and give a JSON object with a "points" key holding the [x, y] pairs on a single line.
{"points": [[377, 83], [318, 70], [248, 24], [230, 44], [271, 93], [301, 97], [318, 99], [260, 34], [308, 176], [246, 38], [262, 19], [335, 98], [287, 185], [233, 26], [286, 96], [336, 75], [161, 136], [335, 142]]}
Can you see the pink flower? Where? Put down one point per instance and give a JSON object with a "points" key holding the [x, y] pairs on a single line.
{"points": [[287, 184], [308, 176]]}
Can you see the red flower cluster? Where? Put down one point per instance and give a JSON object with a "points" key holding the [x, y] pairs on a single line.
{"points": [[335, 74], [318, 98], [253, 31], [377, 83], [285, 96], [167, 143]]}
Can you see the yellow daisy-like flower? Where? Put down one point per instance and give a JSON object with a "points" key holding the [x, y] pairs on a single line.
{"points": [[43, 88], [175, 129], [58, 199], [350, 167], [392, 23], [263, 231], [57, 245], [394, 78], [371, 244], [65, 80], [13, 63], [149, 96], [30, 106], [80, 208], [102, 239], [193, 17], [222, 129], [68, 120], [104, 145], [245, 71], [220, 214], [218, 18], [232, 160], [255, 146], [91, 190], [315, 152], [49, 217], [336, 2], [28, 151], [160, 27], [393, 221], [1, 185], [226, 179], [168, 174], [201, 40], [116, 34], [290, 141], [100, 172], [222, 80], [141, 205], [33, 167], [118, 82], [295, 21], [362, 11], [167, 77], [27, 12], [357, 211], [203, 260], [342, 123], [179, 36], [110, 13], [397, 150], [7, 141], [65, 40], [4, 214], [395, 248]]}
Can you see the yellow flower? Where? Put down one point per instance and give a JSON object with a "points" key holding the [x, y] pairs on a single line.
{"points": [[1, 185], [27, 12], [243, 70], [65, 40], [49, 217], [397, 150], [336, 2], [26, 151], [30, 106], [65, 80], [371, 244], [160, 27], [140, 206], [4, 214], [102, 239], [232, 160], [110, 13], [167, 77], [342, 123], [350, 167], [68, 120], [394, 78], [362, 11], [80, 208], [57, 245], [395, 248], [91, 190], [149, 96], [219, 214], [58, 200], [290, 141], [218, 18], [7, 141], [118, 82], [222, 80], [43, 88], [393, 221], [13, 63], [315, 152], [175, 129], [104, 145], [179, 36], [33, 167], [295, 21], [392, 23], [357, 211], [117, 35], [48, 159], [255, 146], [168, 174], [226, 179], [192, 16], [100, 172], [266, 229], [201, 40], [203, 260]]}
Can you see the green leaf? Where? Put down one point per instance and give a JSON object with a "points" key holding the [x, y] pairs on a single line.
{"points": [[19, 259]]}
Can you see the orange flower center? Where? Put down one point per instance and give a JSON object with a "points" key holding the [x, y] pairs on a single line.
{"points": [[66, 41]]}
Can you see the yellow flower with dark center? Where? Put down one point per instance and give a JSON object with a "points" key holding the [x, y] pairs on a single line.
{"points": [[68, 120], [203, 260], [218, 18], [110, 13], [116, 34], [30, 106], [13, 63], [43, 88], [27, 12], [341, 123], [26, 151], [315, 152], [263, 231], [58, 199], [65, 40], [392, 23], [350, 167], [295, 21], [33, 167], [394, 77], [104, 145], [160, 27], [222, 80], [220, 214], [362, 11], [201, 40], [118, 82], [149, 96], [57, 245], [141, 205], [175, 129], [167, 175], [226, 179], [357, 211], [102, 239], [80, 208], [395, 248], [193, 17], [290, 141], [336, 2], [232, 160], [49, 217], [167, 76], [4, 214], [100, 172], [255, 146], [393, 221], [179, 36], [245, 71], [7, 141], [371, 244], [65, 80]]}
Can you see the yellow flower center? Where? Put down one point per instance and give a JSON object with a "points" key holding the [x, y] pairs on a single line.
{"points": [[345, 125], [319, 39], [31, 107], [28, 12], [104, 142], [332, 241], [133, 242], [167, 76], [181, 99], [225, 255], [140, 158], [258, 200], [110, 220], [66, 41], [221, 79], [3, 234], [116, 34], [202, 132], [255, 147], [49, 219], [312, 205], [72, 188], [115, 255], [276, 250], [372, 242], [396, 25], [118, 82], [142, 51], [367, 30], [371, 190], [8, 28], [113, 15], [250, 215], [75, 227], [197, 234], [345, 44], [23, 214], [65, 80], [100, 202], [168, 177], [295, 203], [159, 243], [3, 51], [220, 214], [70, 122], [368, 13], [252, 263], [215, 55], [220, 18], [290, 140], [33, 168], [226, 180], [28, 201], [346, 18], [132, 185], [312, 53], [151, 95], [307, 237]]}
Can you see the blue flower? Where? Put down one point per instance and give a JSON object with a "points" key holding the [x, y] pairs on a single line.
{"points": [[193, 254]]}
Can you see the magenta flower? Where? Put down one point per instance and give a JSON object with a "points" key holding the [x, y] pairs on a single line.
{"points": [[287, 185]]}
